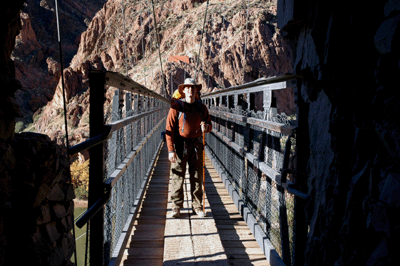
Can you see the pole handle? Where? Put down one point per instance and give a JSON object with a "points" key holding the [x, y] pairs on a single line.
{"points": [[204, 169]]}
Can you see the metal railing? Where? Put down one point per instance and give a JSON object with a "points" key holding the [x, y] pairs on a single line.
{"points": [[253, 147], [122, 155]]}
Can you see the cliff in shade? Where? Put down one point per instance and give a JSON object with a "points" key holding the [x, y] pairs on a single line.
{"points": [[36, 52], [36, 194], [348, 56], [222, 62], [349, 60]]}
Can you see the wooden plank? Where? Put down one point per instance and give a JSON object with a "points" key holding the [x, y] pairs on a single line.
{"points": [[145, 253], [177, 242], [146, 245], [239, 243], [244, 251], [191, 239], [243, 243], [141, 262]]}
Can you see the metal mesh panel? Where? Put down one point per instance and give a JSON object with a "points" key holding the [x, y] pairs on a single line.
{"points": [[269, 203], [274, 149], [122, 143]]}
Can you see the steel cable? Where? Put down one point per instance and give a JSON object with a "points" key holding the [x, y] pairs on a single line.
{"points": [[158, 46], [64, 105], [201, 42], [245, 39]]}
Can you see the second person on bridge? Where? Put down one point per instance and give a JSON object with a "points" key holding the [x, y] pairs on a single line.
{"points": [[187, 119]]}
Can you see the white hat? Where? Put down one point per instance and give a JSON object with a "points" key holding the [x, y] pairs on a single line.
{"points": [[189, 82]]}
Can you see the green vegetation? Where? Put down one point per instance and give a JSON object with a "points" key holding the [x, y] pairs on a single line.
{"points": [[80, 239], [80, 179]]}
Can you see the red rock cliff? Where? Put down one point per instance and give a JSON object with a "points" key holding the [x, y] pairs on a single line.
{"points": [[221, 63]]}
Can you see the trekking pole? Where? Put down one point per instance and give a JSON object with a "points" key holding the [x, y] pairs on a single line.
{"points": [[204, 170]]}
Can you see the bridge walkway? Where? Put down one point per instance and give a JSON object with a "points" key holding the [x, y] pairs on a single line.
{"points": [[221, 238]]}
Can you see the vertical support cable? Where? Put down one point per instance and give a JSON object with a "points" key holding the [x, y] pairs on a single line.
{"points": [[209, 54], [219, 58], [62, 77], [245, 40], [64, 105], [201, 42], [158, 46], [123, 19], [143, 50]]}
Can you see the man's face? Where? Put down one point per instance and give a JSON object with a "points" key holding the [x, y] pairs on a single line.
{"points": [[190, 91]]}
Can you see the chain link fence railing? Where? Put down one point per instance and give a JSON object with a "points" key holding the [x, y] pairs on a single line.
{"points": [[249, 147], [123, 147], [138, 142]]}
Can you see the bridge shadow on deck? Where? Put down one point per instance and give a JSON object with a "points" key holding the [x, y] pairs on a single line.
{"points": [[239, 244], [150, 238]]}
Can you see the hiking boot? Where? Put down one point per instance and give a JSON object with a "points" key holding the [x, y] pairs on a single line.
{"points": [[176, 212], [199, 212]]}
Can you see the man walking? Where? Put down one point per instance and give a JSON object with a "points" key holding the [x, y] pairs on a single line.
{"points": [[187, 120]]}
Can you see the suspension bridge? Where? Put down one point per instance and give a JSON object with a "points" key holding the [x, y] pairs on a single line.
{"points": [[250, 201], [254, 185]]}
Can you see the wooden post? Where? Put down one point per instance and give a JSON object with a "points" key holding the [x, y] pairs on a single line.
{"points": [[96, 172]]}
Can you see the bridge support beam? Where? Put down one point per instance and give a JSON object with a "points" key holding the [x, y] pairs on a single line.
{"points": [[96, 172]]}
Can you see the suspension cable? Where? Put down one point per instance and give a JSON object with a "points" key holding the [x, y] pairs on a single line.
{"points": [[123, 22], [62, 78], [158, 46], [245, 39], [219, 58], [64, 104], [143, 50], [209, 52], [201, 42]]}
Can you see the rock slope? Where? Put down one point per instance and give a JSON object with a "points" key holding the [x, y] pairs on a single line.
{"points": [[122, 38], [36, 52]]}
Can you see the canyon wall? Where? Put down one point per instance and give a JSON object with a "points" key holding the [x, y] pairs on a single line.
{"points": [[36, 53], [36, 196], [348, 56], [36, 192], [122, 38]]}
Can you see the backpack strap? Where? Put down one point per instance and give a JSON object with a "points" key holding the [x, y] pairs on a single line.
{"points": [[182, 111]]}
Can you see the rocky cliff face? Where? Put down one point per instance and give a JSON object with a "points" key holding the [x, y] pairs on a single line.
{"points": [[221, 60], [349, 60], [36, 206], [36, 53]]}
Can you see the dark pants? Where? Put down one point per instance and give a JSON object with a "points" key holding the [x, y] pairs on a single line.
{"points": [[188, 151]]}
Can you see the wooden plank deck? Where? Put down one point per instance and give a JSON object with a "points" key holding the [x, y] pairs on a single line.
{"points": [[220, 238]]}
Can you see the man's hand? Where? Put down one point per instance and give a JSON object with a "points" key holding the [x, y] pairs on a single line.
{"points": [[204, 127], [172, 157]]}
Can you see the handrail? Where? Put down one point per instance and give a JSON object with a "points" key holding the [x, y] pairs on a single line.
{"points": [[120, 81], [261, 84], [95, 208], [247, 147], [108, 130], [114, 177], [100, 190], [129, 120], [274, 126], [91, 142]]}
